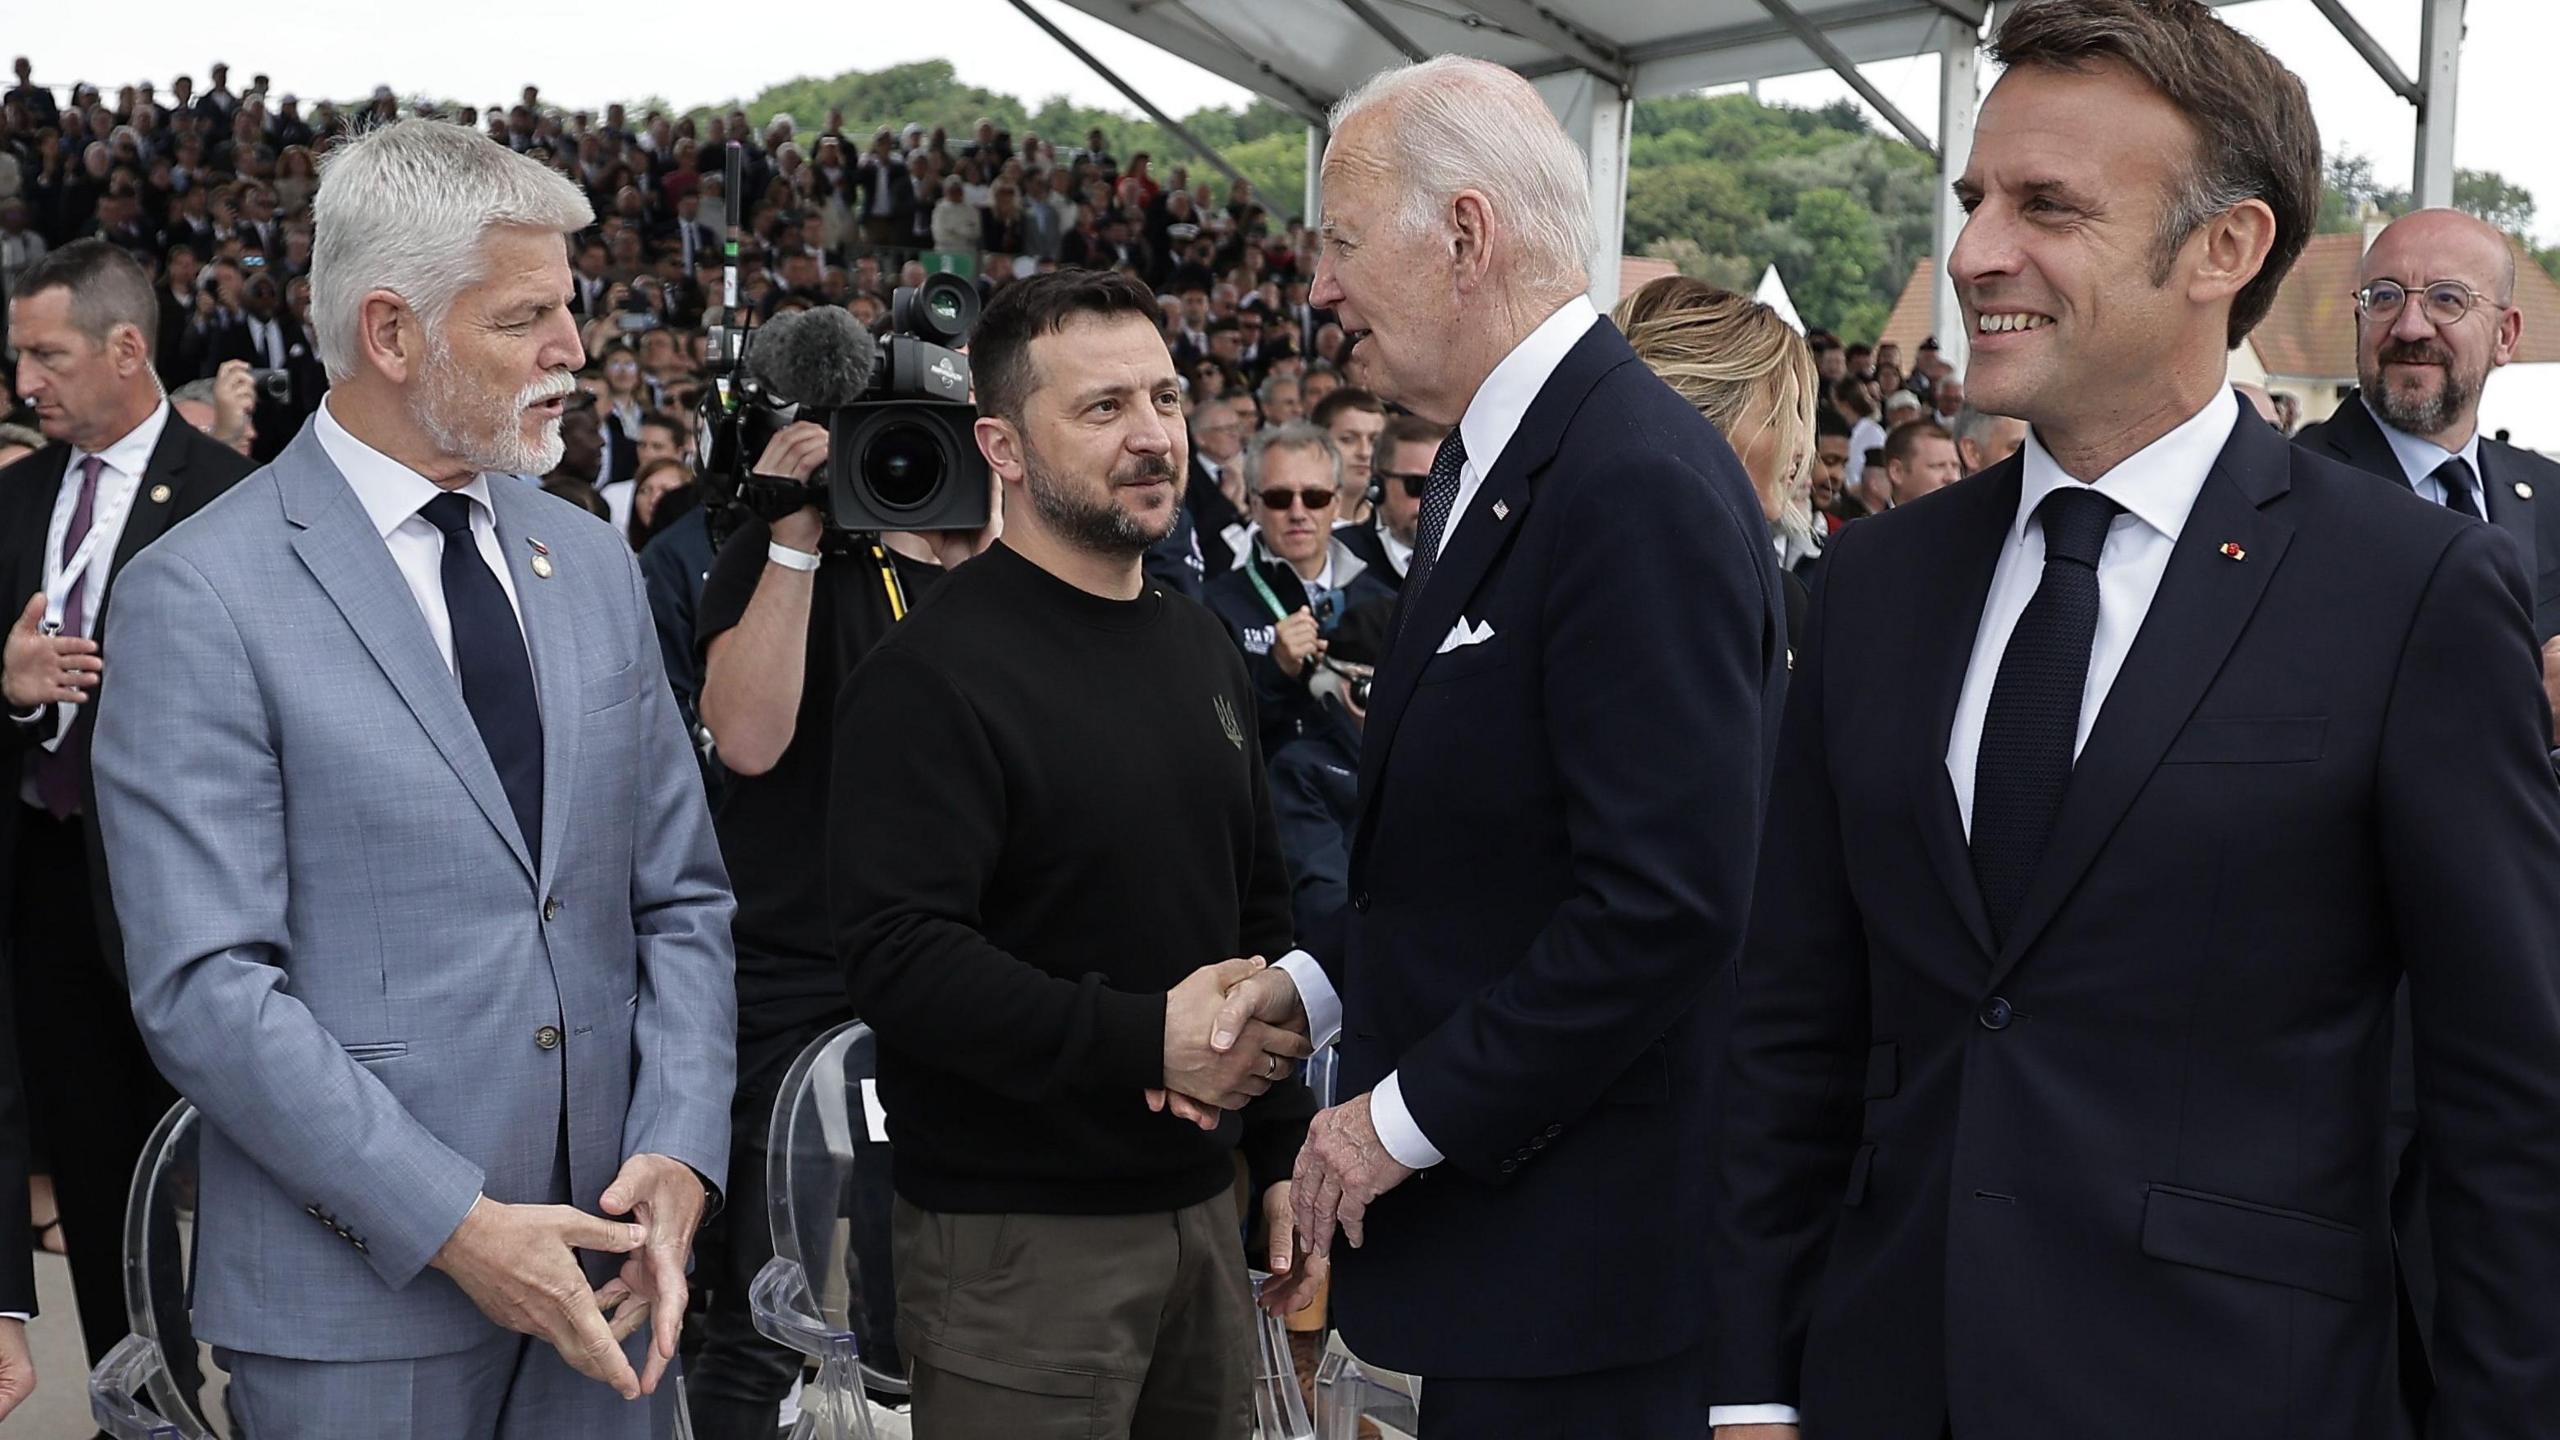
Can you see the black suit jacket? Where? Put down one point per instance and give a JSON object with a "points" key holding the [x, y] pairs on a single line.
{"points": [[195, 469], [277, 420], [2121, 1175], [1363, 540], [2522, 489], [187, 469], [1549, 879]]}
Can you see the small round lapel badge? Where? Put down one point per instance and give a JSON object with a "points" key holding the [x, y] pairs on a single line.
{"points": [[541, 558], [2523, 491], [160, 494]]}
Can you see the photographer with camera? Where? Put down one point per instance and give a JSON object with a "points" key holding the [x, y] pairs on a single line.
{"points": [[789, 610]]}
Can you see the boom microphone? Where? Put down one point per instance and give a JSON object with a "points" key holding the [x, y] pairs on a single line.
{"points": [[821, 359]]}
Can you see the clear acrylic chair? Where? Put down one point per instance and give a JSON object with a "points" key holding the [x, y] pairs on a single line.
{"points": [[827, 1292], [1348, 1392], [146, 1388]]}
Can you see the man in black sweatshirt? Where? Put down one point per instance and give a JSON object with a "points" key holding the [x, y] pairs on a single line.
{"points": [[1054, 853]]}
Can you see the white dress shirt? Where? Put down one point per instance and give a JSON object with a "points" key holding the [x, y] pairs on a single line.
{"points": [[1492, 418], [2157, 485], [2419, 457], [391, 494], [119, 485]]}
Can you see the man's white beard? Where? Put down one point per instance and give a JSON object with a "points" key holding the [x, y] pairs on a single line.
{"points": [[483, 431]]}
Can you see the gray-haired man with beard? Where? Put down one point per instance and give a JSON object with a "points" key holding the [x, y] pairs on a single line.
{"points": [[420, 901], [1053, 853]]}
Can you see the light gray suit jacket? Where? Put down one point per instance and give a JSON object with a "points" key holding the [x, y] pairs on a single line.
{"points": [[338, 947]]}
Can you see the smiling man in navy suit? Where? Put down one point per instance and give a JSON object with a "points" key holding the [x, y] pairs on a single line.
{"points": [[2061, 1041], [1561, 784]]}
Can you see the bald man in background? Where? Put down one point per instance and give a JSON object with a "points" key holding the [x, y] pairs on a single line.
{"points": [[2435, 314]]}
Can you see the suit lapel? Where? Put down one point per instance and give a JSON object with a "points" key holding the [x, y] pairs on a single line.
{"points": [[2510, 500], [1496, 513], [34, 509], [2205, 601], [551, 641], [2354, 436], [336, 541], [164, 478], [1950, 615]]}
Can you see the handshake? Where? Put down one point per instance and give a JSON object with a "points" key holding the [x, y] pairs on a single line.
{"points": [[1231, 1031]]}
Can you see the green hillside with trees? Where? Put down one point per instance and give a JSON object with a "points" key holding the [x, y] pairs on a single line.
{"points": [[1720, 185]]}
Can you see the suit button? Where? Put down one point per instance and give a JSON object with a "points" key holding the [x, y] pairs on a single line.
{"points": [[548, 1037], [1995, 1014], [551, 908], [1510, 1165], [1538, 1144], [1360, 902], [1554, 1130]]}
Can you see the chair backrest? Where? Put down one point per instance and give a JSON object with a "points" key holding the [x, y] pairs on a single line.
{"points": [[146, 1388], [827, 1183]]}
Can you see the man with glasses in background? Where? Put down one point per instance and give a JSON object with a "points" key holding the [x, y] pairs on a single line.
{"points": [[1403, 471], [2435, 308], [1299, 581]]}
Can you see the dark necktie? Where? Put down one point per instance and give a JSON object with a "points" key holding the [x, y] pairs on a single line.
{"points": [[58, 770], [2461, 488], [497, 677], [2033, 720], [1438, 499]]}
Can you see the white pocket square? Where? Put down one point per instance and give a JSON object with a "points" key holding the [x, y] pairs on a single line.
{"points": [[1462, 635]]}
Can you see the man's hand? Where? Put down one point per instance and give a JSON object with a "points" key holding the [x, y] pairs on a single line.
{"points": [[1295, 642], [1255, 1060], [1296, 1276], [666, 1197], [2551, 684], [796, 452], [235, 394], [1267, 995], [1342, 1169], [516, 1264], [38, 669], [17, 1366]]}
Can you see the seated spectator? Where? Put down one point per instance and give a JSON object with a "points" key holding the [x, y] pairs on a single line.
{"points": [[1296, 581], [1355, 419]]}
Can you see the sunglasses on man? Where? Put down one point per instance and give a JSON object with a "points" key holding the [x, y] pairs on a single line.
{"points": [[1279, 501], [1414, 482]]}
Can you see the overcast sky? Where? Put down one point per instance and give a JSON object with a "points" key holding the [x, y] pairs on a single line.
{"points": [[585, 52]]}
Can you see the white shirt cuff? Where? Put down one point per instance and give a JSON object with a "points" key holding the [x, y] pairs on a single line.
{"points": [[20, 1316], [1315, 992], [1402, 1138], [1751, 1415]]}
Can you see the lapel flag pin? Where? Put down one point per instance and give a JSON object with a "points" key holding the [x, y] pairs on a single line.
{"points": [[1501, 509], [2523, 491], [541, 558], [160, 494], [2231, 551]]}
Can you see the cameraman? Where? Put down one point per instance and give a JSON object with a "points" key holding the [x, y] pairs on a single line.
{"points": [[787, 613]]}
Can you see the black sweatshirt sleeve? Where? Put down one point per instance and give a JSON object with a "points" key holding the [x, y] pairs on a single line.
{"points": [[915, 831]]}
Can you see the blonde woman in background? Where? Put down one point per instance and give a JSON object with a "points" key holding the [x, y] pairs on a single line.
{"points": [[1752, 376]]}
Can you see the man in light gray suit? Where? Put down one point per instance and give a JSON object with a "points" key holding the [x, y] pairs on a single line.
{"points": [[422, 907]]}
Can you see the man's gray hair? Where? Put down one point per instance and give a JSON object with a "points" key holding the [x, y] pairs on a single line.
{"points": [[200, 391], [1974, 425], [105, 286], [1296, 435], [1467, 124], [1272, 385], [404, 208]]}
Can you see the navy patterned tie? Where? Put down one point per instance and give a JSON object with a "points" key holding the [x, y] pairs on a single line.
{"points": [[1438, 499], [497, 676], [2033, 720]]}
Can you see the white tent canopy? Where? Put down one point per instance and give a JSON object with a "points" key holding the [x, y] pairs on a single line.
{"points": [[1773, 293], [1592, 58]]}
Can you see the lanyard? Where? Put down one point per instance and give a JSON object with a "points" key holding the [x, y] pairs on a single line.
{"points": [[1253, 571], [60, 578]]}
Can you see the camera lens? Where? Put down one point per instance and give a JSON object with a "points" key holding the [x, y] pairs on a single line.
{"points": [[904, 465]]}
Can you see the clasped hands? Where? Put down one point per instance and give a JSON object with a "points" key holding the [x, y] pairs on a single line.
{"points": [[1256, 1025]]}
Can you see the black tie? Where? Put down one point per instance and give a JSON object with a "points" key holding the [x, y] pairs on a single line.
{"points": [[1438, 499], [497, 678], [2459, 487], [2029, 729]]}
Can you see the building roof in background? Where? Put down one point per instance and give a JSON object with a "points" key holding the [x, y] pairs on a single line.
{"points": [[1636, 272], [1911, 320]]}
